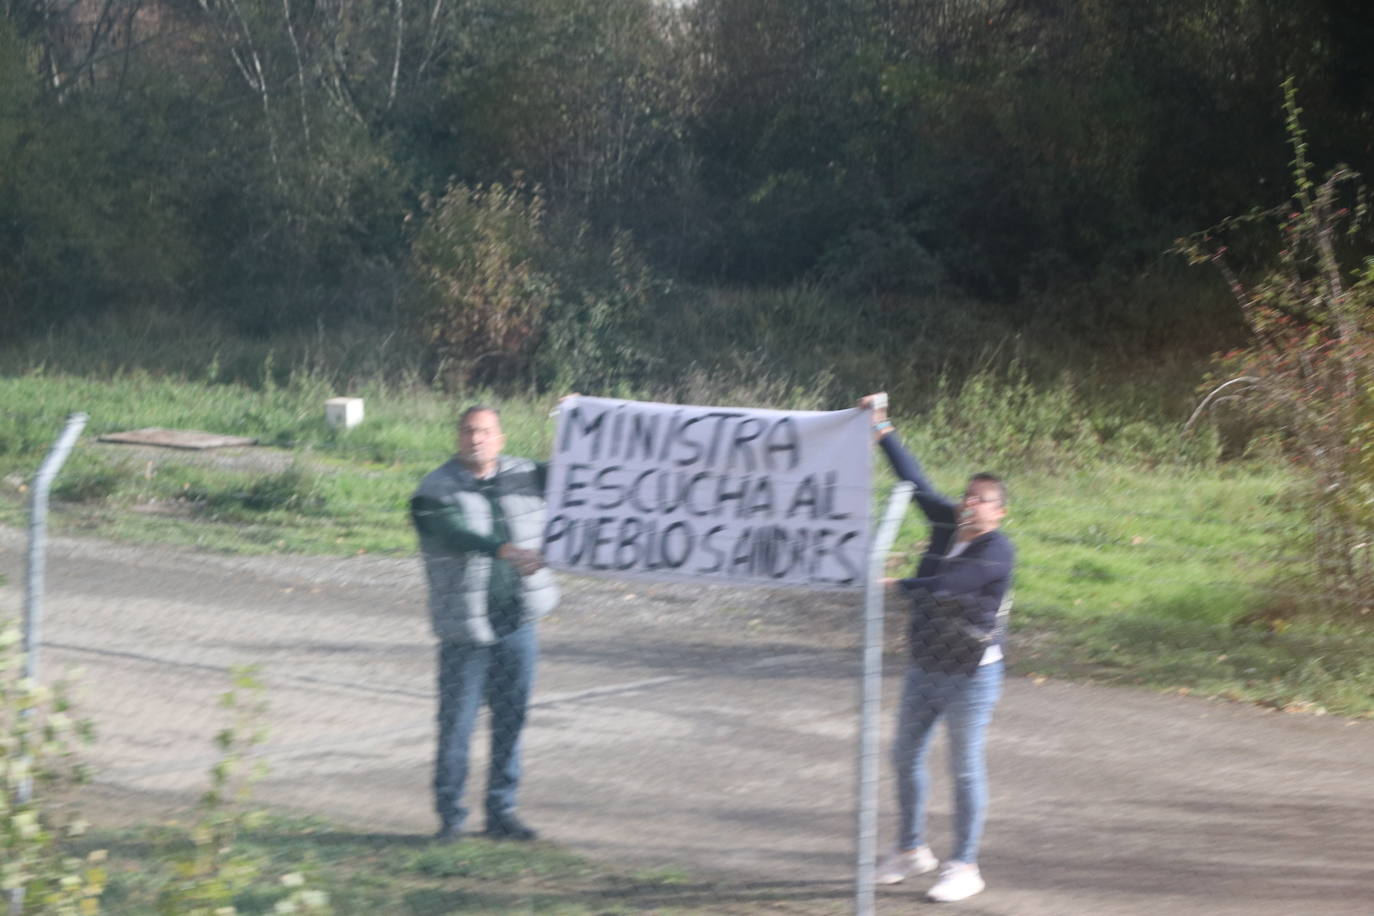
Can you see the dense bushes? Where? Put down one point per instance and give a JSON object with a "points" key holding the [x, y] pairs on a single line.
{"points": [[87, 219], [485, 298], [506, 298], [267, 165]]}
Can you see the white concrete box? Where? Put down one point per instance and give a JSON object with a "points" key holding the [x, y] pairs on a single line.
{"points": [[343, 412]]}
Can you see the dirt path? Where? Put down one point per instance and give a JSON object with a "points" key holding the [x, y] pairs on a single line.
{"points": [[707, 730]]}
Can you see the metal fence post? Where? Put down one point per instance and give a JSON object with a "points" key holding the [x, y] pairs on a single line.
{"points": [[33, 590], [870, 703], [38, 538]]}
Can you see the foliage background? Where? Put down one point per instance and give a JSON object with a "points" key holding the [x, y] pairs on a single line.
{"points": [[1002, 166]]}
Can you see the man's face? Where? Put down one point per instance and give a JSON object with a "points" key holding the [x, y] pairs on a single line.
{"points": [[983, 508], [480, 438]]}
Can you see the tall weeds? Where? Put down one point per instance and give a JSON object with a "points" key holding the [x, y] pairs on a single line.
{"points": [[1308, 369]]}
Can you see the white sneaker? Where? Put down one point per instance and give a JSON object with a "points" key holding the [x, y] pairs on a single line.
{"points": [[902, 864], [958, 881]]}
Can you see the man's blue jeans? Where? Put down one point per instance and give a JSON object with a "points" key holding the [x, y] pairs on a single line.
{"points": [[502, 674], [966, 701]]}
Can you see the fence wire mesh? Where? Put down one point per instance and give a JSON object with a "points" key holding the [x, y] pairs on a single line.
{"points": [[697, 745], [706, 731]]}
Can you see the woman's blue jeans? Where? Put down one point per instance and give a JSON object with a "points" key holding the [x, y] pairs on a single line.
{"points": [[966, 702], [502, 674]]}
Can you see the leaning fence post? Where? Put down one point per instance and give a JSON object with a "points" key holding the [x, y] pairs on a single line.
{"points": [[870, 703], [38, 538], [33, 590]]}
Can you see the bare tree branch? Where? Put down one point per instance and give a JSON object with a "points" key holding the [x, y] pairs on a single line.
{"points": [[399, 6], [431, 40], [1197, 412], [300, 69]]}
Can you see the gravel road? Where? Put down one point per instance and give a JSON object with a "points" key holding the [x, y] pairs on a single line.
{"points": [[709, 730]]}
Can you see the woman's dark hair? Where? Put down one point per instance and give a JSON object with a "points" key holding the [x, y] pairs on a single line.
{"points": [[1001, 484]]}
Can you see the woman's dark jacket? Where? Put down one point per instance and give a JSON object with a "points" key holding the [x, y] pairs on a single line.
{"points": [[977, 580]]}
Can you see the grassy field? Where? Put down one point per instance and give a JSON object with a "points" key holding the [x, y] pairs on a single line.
{"points": [[1182, 574], [308, 488]]}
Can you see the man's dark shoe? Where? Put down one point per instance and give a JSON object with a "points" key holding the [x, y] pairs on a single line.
{"points": [[509, 827], [449, 832]]}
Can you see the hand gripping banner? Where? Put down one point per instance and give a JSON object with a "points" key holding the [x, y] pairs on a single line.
{"points": [[727, 495]]}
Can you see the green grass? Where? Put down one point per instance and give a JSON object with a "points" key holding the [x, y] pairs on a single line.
{"points": [[366, 874], [309, 488]]}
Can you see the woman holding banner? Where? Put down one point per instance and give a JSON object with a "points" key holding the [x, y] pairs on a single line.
{"points": [[960, 599]]}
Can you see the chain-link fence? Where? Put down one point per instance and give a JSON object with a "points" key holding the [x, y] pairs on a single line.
{"points": [[698, 745], [707, 731]]}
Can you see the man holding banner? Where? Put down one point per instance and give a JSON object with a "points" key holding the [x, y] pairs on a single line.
{"points": [[665, 491], [480, 517], [960, 600]]}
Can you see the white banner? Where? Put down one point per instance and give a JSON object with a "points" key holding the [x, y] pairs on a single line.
{"points": [[728, 495]]}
